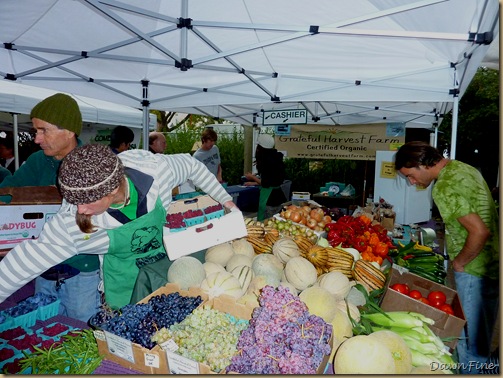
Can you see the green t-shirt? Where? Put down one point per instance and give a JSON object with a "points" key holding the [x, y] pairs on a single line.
{"points": [[460, 190], [42, 170]]}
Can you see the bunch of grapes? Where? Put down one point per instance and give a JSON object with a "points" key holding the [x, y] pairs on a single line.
{"points": [[208, 336], [213, 208], [283, 338], [138, 322]]}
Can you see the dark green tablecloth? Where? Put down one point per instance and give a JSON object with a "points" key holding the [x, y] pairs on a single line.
{"points": [[152, 276]]}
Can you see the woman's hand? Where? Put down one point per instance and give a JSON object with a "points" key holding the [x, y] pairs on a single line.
{"points": [[250, 176], [231, 206]]}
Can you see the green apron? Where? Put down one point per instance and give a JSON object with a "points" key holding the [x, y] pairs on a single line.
{"points": [[262, 201], [132, 246]]}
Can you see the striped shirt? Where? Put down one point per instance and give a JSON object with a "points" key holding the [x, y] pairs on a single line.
{"points": [[61, 238]]}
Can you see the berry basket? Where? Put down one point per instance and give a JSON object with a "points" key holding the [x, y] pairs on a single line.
{"points": [[48, 311], [7, 322], [26, 320], [187, 195], [214, 214], [194, 220]]}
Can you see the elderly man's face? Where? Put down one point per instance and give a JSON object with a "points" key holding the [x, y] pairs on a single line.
{"points": [[159, 145], [54, 141]]}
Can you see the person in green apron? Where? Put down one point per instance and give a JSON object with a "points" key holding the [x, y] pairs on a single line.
{"points": [[113, 206], [271, 175]]}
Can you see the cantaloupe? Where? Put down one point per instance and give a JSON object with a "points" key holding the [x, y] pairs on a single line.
{"points": [[219, 254], [285, 249], [336, 283], [269, 266], [238, 260], [399, 350], [186, 271], [220, 283], [342, 329], [362, 354], [300, 273], [211, 267], [243, 247], [244, 274], [319, 301]]}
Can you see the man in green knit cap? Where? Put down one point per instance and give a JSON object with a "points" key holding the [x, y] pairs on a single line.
{"points": [[58, 122]]}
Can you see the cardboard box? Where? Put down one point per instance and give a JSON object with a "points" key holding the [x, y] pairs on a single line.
{"points": [[445, 325], [24, 211], [204, 235], [178, 364], [388, 222], [134, 356], [300, 196]]}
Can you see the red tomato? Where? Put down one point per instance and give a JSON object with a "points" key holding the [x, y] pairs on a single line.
{"points": [[435, 302], [401, 288], [447, 308], [416, 294], [437, 296], [424, 300]]}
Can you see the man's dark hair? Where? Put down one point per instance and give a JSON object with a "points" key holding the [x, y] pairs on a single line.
{"points": [[415, 154], [209, 134], [121, 134], [8, 140]]}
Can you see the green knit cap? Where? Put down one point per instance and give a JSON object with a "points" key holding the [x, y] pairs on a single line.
{"points": [[60, 110]]}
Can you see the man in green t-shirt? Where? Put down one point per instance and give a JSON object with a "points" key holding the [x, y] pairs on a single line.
{"points": [[471, 222]]}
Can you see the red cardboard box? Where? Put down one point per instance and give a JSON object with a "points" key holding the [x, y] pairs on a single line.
{"points": [[446, 325]]}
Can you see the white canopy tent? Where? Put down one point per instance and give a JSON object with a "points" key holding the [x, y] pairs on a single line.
{"points": [[346, 62], [17, 100]]}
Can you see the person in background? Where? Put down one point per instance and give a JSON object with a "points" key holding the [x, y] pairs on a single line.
{"points": [[156, 142], [7, 152], [209, 153], [121, 138], [271, 175], [4, 172], [58, 123], [114, 206], [471, 223]]}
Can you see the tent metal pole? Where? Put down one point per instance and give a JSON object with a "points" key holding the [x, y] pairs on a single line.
{"points": [[454, 134], [145, 103], [455, 109], [16, 142]]}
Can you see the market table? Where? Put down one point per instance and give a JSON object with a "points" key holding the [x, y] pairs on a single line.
{"points": [[337, 202], [247, 196]]}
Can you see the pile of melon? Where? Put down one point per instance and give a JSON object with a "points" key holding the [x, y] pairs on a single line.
{"points": [[235, 269]]}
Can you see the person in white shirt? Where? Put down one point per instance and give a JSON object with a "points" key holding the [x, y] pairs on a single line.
{"points": [[113, 206]]}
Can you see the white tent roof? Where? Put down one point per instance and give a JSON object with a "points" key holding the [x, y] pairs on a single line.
{"points": [[19, 99], [347, 61]]}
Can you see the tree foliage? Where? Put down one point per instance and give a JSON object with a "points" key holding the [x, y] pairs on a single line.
{"points": [[478, 125]]}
